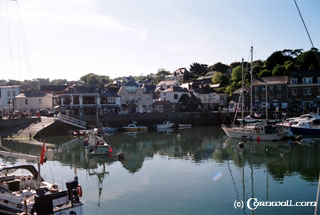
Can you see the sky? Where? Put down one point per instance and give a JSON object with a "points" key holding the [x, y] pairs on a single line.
{"points": [[66, 39]]}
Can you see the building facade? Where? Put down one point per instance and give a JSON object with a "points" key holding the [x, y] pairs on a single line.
{"points": [[7, 95]]}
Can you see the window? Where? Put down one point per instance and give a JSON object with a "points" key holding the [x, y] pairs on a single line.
{"points": [[13, 93], [175, 96], [307, 80], [40, 101], [263, 88], [294, 81], [305, 91], [26, 101], [263, 96], [8, 93], [256, 89], [271, 96], [9, 101], [295, 91], [279, 87], [310, 91], [279, 95], [270, 87]]}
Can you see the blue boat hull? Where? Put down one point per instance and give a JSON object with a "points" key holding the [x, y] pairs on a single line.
{"points": [[305, 130]]}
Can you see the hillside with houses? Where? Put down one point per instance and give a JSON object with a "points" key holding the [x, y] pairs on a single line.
{"points": [[288, 80]]}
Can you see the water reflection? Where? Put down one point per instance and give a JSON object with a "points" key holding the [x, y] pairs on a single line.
{"points": [[202, 144]]}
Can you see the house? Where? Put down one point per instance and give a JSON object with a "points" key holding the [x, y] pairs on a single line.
{"points": [[7, 95], [55, 90], [304, 90], [79, 101], [204, 80], [32, 101], [189, 103], [246, 96], [134, 99], [276, 94], [180, 75], [173, 94]]}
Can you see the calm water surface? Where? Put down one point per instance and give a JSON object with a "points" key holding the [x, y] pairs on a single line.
{"points": [[191, 171]]}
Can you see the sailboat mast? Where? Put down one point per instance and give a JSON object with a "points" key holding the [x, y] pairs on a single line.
{"points": [[251, 73], [242, 89]]}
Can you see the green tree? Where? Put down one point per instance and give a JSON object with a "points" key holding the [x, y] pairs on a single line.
{"points": [[198, 69], [90, 79], [236, 74], [279, 70], [264, 73], [219, 78], [220, 67], [308, 60]]}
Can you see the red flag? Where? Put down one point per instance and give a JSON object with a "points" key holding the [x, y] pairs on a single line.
{"points": [[43, 151]]}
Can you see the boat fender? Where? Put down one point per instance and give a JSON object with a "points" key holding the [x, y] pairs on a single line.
{"points": [[241, 145], [79, 190], [258, 139], [120, 157], [110, 150]]}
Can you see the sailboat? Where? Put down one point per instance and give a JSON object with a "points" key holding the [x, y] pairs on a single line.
{"points": [[253, 131]]}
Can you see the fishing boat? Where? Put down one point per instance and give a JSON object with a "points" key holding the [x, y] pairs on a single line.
{"points": [[133, 127], [307, 126], [95, 145], [165, 124], [24, 191]]}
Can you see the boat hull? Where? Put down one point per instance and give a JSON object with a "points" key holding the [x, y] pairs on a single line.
{"points": [[243, 133], [165, 126], [297, 130]]}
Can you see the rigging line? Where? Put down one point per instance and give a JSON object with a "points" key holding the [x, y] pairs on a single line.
{"points": [[317, 199], [6, 33], [24, 41], [305, 26]]}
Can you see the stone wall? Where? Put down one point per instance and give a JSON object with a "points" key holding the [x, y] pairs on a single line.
{"points": [[12, 126]]}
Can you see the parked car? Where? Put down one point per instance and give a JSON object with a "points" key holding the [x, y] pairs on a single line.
{"points": [[44, 112]]}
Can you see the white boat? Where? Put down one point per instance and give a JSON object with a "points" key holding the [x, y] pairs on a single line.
{"points": [[254, 132], [24, 191], [185, 125], [95, 144], [165, 124], [257, 131], [133, 127]]}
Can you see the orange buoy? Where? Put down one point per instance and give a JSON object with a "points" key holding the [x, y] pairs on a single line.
{"points": [[79, 190]]}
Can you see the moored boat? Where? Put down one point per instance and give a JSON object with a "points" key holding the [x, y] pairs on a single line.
{"points": [[95, 145], [185, 125], [308, 126], [23, 190], [256, 132], [165, 124], [133, 127]]}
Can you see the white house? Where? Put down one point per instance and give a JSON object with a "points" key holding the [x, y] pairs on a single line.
{"points": [[33, 101], [7, 95], [173, 94]]}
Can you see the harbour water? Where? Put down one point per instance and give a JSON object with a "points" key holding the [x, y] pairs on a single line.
{"points": [[190, 171]]}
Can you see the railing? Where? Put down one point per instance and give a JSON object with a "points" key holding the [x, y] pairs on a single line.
{"points": [[72, 121]]}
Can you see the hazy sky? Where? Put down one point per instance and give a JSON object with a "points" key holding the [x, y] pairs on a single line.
{"points": [[67, 39]]}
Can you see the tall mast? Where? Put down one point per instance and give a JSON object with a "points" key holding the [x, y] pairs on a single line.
{"points": [[242, 101], [251, 73]]}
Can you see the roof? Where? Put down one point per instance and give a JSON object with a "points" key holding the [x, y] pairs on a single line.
{"points": [[81, 89], [53, 87], [271, 80], [205, 77], [189, 99], [167, 83], [12, 86], [238, 91], [298, 74], [204, 90], [150, 88], [175, 89], [186, 85], [32, 94], [131, 83]]}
